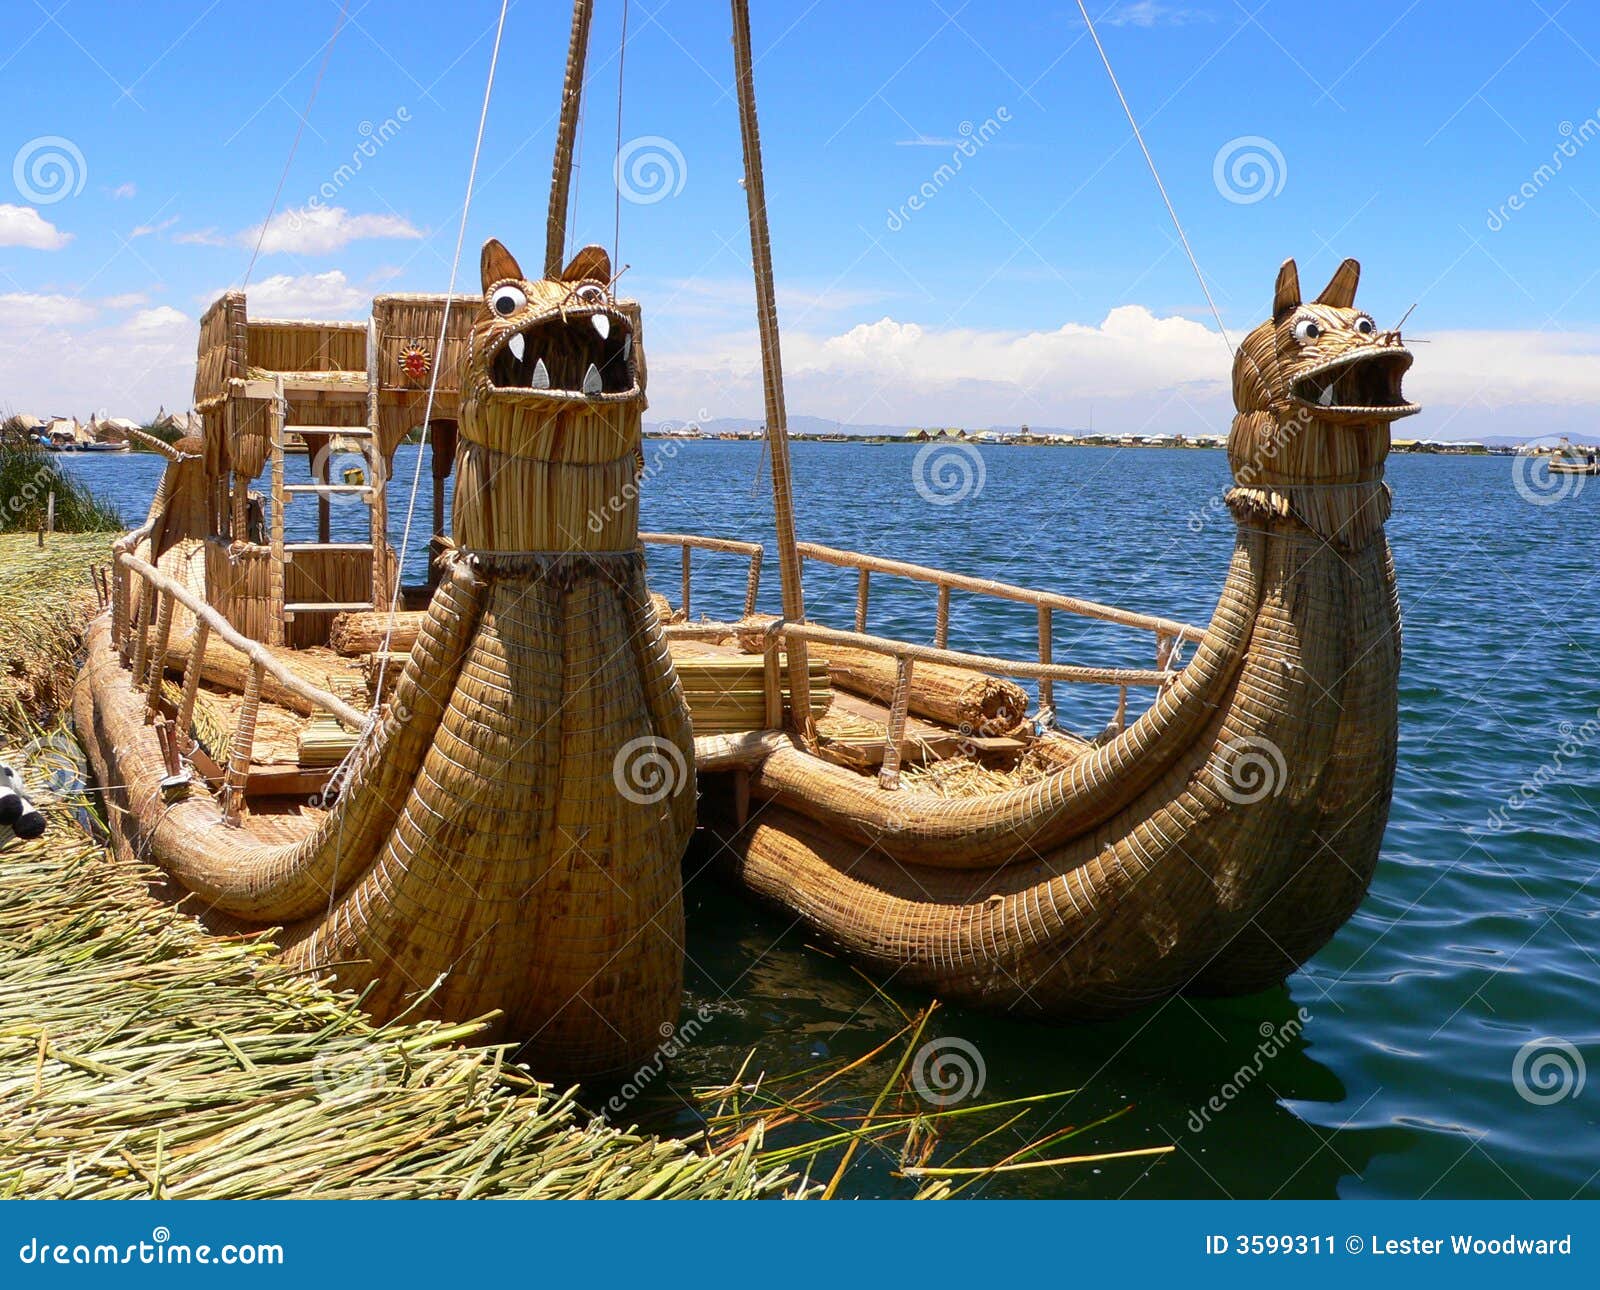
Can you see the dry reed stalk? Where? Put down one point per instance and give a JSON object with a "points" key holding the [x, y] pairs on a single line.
{"points": [[141, 1057], [365, 632]]}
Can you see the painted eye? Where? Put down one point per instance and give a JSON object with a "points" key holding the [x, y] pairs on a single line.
{"points": [[505, 301], [1366, 326], [1307, 329], [591, 294]]}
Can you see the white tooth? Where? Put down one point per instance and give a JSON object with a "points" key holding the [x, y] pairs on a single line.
{"points": [[627, 347], [591, 380], [1327, 396], [602, 324], [540, 380], [516, 345]]}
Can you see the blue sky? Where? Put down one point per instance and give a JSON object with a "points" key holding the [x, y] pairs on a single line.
{"points": [[1040, 281]]}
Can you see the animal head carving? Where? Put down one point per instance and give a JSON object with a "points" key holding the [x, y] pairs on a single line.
{"points": [[553, 342], [1325, 359]]}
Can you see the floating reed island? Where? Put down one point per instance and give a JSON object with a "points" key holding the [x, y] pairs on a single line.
{"points": [[478, 806]]}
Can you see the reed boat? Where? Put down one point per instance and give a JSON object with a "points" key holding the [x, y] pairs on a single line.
{"points": [[471, 796]]}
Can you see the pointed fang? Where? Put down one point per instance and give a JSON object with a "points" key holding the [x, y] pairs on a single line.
{"points": [[540, 380], [591, 380], [602, 324], [517, 344]]}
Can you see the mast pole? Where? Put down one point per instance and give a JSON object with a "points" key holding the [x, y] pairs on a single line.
{"points": [[566, 136], [794, 609]]}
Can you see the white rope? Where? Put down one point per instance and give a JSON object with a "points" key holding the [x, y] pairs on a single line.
{"points": [[433, 383], [1156, 174]]}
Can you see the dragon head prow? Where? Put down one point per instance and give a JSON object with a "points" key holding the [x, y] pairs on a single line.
{"points": [[1326, 359], [1317, 387], [553, 341]]}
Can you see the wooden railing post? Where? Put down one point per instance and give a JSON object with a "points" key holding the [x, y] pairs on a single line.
{"points": [[158, 659], [889, 773], [686, 580], [772, 680], [141, 645], [863, 585], [1047, 687], [941, 622], [244, 739], [191, 676]]}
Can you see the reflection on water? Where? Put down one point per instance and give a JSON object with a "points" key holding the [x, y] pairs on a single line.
{"points": [[1478, 942]]}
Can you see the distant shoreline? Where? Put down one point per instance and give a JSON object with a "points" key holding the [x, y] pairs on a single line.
{"points": [[1409, 447]]}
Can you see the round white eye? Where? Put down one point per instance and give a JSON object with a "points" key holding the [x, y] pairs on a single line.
{"points": [[591, 294], [1307, 329], [1366, 326], [505, 301]]}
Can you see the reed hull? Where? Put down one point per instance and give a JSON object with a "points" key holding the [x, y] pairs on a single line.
{"points": [[1212, 852]]}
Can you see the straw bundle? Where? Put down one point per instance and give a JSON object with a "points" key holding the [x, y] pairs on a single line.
{"points": [[234, 1079], [953, 696], [45, 601], [363, 632], [729, 694]]}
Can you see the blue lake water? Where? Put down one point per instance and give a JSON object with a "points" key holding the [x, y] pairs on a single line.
{"points": [[1451, 1041]]}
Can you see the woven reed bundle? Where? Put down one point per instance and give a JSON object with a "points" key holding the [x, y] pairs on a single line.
{"points": [[362, 632], [961, 699], [1218, 841]]}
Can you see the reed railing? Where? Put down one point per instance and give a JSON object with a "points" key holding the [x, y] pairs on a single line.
{"points": [[687, 542], [143, 641]]}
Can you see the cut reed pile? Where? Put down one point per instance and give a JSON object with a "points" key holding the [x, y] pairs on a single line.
{"points": [[45, 601], [140, 1057]]}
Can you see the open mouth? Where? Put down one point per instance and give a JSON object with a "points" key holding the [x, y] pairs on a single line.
{"points": [[1367, 382], [583, 353]]}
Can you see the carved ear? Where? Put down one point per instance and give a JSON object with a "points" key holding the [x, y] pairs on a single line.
{"points": [[591, 264], [1287, 295], [497, 263], [1341, 289]]}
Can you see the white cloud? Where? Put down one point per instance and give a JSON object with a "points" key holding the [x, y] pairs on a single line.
{"points": [[317, 230], [22, 311], [24, 226], [1148, 13], [161, 321], [145, 230], [124, 191], [308, 295], [202, 237], [125, 301]]}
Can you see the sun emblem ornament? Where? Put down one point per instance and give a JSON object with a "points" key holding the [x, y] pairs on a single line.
{"points": [[415, 361]]}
